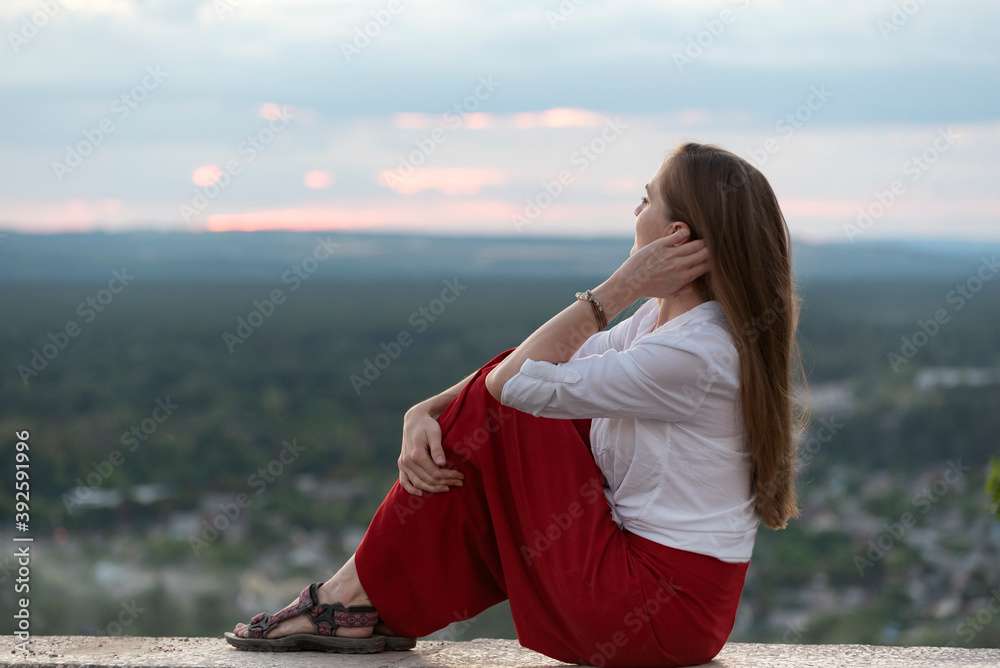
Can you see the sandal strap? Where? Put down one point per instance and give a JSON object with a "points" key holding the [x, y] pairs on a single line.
{"points": [[262, 622], [355, 615], [325, 617]]}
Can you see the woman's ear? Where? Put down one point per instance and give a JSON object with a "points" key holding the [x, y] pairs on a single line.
{"points": [[678, 225]]}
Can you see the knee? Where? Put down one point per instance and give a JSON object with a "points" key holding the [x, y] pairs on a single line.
{"points": [[469, 443], [468, 438]]}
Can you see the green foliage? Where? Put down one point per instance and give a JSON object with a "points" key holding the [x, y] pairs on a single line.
{"points": [[993, 486], [796, 554]]}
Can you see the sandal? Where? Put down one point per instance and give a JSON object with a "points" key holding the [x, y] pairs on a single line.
{"points": [[325, 617], [398, 643]]}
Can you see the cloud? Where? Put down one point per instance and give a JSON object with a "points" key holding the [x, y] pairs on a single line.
{"points": [[439, 215], [446, 180]]}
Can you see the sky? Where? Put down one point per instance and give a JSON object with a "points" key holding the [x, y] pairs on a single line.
{"points": [[871, 119]]}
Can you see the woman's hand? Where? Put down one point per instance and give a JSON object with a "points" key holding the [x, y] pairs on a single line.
{"points": [[664, 266], [658, 269], [422, 457]]}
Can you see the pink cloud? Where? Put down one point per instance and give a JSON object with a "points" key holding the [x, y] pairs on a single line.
{"points": [[206, 175], [317, 180], [271, 111], [437, 215], [560, 117], [478, 121], [411, 121], [74, 215]]}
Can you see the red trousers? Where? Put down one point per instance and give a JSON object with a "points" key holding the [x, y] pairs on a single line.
{"points": [[531, 524]]}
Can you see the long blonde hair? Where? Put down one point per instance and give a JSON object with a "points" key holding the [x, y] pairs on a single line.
{"points": [[727, 202]]}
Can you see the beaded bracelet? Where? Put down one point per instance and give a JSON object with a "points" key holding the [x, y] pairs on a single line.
{"points": [[602, 319]]}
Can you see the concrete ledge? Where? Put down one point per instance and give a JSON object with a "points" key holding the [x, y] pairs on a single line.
{"points": [[103, 652]]}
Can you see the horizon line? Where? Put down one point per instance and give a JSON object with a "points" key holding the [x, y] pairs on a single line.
{"points": [[363, 232]]}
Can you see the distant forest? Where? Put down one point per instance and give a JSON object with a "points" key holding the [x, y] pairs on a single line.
{"points": [[291, 376]]}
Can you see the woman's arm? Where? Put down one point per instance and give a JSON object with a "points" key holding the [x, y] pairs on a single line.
{"points": [[436, 404], [658, 269]]}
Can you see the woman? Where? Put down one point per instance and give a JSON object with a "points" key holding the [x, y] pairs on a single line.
{"points": [[608, 483]]}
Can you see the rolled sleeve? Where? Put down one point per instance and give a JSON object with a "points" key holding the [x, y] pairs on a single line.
{"points": [[613, 338], [654, 379], [595, 345]]}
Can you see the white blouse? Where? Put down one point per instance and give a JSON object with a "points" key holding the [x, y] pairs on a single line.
{"points": [[667, 430]]}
